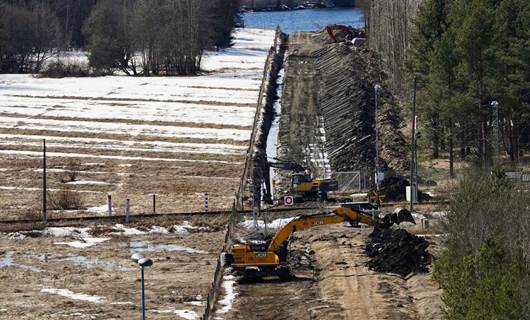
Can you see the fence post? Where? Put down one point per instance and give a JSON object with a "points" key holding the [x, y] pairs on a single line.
{"points": [[127, 203], [109, 204]]}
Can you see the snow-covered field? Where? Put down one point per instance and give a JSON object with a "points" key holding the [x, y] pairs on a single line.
{"points": [[203, 121]]}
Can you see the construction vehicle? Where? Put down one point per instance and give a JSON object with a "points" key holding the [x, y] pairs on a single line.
{"points": [[270, 258], [303, 186], [341, 33]]}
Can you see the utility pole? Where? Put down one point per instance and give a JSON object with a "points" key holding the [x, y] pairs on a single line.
{"points": [[413, 147], [44, 206], [377, 87]]}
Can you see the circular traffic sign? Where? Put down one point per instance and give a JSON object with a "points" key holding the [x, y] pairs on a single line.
{"points": [[288, 200]]}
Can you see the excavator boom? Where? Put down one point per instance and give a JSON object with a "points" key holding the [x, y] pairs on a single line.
{"points": [[272, 258]]}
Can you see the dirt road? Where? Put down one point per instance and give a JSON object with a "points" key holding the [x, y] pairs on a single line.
{"points": [[333, 282], [331, 279]]}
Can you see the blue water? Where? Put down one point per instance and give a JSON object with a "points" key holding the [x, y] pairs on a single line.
{"points": [[304, 20]]}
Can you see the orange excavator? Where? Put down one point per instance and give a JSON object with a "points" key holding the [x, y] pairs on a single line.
{"points": [[270, 258], [341, 33]]}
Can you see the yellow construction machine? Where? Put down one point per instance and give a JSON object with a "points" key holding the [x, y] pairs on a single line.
{"points": [[270, 258], [303, 186]]}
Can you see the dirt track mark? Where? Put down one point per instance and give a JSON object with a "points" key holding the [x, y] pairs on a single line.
{"points": [[204, 102], [134, 121], [118, 136]]}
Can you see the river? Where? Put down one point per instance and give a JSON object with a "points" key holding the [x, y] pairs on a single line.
{"points": [[304, 20]]}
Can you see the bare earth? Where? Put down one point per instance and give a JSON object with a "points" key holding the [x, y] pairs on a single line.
{"points": [[335, 283]]}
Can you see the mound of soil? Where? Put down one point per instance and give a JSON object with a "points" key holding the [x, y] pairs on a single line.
{"points": [[394, 189], [397, 251]]}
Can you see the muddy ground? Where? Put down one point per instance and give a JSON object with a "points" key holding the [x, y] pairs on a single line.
{"points": [[33, 267], [333, 282]]}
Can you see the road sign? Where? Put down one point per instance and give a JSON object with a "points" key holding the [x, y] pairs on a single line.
{"points": [[288, 200]]}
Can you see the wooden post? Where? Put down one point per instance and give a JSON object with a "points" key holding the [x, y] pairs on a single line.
{"points": [[109, 204], [127, 203], [154, 203], [44, 187]]}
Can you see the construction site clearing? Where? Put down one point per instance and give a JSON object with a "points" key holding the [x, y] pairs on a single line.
{"points": [[347, 268]]}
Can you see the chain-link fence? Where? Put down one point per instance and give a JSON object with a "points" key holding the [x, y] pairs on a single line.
{"points": [[353, 181]]}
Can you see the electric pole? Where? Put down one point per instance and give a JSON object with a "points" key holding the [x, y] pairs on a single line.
{"points": [[44, 209], [413, 147], [377, 87]]}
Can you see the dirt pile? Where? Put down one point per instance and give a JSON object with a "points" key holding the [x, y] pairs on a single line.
{"points": [[394, 189], [397, 251]]}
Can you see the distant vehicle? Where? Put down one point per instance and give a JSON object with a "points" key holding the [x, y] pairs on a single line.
{"points": [[341, 33], [303, 186]]}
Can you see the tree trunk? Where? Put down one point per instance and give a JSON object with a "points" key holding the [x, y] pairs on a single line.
{"points": [[451, 151], [435, 138]]}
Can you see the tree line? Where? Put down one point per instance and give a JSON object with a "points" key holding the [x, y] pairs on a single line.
{"points": [[485, 268], [465, 54], [138, 37]]}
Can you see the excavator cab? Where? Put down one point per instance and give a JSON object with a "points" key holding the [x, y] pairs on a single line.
{"points": [[301, 182]]}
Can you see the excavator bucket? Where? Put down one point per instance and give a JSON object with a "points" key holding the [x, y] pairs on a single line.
{"points": [[399, 215], [403, 215]]}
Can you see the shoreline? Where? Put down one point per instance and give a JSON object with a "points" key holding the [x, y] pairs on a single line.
{"points": [[291, 8]]}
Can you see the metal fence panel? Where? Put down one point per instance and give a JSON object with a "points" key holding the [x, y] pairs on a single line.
{"points": [[348, 181]]}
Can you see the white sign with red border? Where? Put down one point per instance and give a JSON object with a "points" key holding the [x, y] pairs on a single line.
{"points": [[288, 200]]}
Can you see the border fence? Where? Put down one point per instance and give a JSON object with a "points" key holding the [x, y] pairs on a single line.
{"points": [[215, 289], [213, 293], [353, 181]]}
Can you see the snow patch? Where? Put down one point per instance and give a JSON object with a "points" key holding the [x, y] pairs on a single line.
{"points": [[187, 314], [104, 208], [126, 231], [84, 242], [74, 296], [158, 230], [274, 224], [145, 246], [230, 294], [186, 227], [66, 232], [85, 182], [122, 303], [84, 239], [16, 236]]}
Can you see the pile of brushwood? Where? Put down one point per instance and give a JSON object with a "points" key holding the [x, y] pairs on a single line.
{"points": [[397, 251]]}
